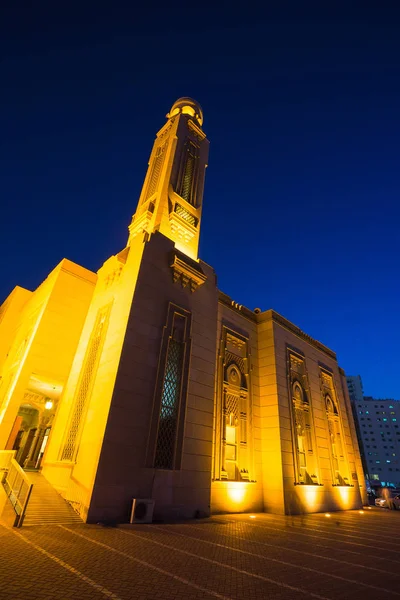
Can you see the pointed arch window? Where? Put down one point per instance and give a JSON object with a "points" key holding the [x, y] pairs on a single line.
{"points": [[170, 399], [304, 446], [231, 426], [303, 434], [232, 460], [166, 433], [335, 442], [156, 170], [187, 179]]}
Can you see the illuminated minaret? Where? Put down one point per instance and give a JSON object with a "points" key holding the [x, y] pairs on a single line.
{"points": [[172, 194]]}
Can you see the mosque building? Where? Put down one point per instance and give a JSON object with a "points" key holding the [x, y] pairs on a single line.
{"points": [[145, 381]]}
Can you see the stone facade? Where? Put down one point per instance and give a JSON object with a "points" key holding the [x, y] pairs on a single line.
{"points": [[157, 385]]}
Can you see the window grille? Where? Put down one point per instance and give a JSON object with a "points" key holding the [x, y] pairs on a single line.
{"points": [[186, 186], [185, 215], [156, 170], [233, 449], [231, 406], [231, 425], [85, 384], [170, 399]]}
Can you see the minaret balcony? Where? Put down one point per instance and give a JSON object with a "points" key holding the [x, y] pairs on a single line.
{"points": [[183, 224], [141, 223]]}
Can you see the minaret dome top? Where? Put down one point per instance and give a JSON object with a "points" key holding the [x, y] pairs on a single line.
{"points": [[187, 106]]}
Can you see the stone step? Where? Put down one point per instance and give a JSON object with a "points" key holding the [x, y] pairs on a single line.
{"points": [[46, 506]]}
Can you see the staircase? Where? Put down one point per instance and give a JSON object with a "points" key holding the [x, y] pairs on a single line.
{"points": [[46, 506]]}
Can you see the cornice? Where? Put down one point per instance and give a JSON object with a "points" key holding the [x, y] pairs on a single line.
{"points": [[187, 271], [271, 315], [277, 318], [196, 130], [239, 308]]}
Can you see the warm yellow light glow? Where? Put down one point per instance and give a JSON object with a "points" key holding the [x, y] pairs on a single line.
{"points": [[361, 512], [327, 514], [311, 496], [236, 492], [252, 516], [369, 507], [345, 497], [48, 405]]}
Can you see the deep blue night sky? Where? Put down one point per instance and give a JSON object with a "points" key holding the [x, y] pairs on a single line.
{"points": [[301, 209]]}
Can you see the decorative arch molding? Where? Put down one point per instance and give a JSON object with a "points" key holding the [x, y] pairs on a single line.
{"points": [[233, 410], [234, 375]]}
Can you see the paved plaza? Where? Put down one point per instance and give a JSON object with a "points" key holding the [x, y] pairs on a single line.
{"points": [[347, 555]]}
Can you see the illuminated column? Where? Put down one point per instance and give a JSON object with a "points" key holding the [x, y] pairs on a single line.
{"points": [[172, 194]]}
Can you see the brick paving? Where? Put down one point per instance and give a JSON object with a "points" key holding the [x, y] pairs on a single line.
{"points": [[349, 555]]}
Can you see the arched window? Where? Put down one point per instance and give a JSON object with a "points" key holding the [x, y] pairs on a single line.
{"points": [[171, 396], [187, 178], [303, 435], [232, 458], [335, 441], [231, 424]]}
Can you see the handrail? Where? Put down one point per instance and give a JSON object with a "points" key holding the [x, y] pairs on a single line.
{"points": [[18, 488], [5, 459]]}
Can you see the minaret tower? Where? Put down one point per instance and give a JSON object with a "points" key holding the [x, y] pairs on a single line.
{"points": [[172, 194]]}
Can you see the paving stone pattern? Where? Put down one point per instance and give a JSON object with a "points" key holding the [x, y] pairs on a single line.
{"points": [[347, 555]]}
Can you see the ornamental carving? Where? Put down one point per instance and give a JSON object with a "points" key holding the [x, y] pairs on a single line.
{"points": [[305, 459], [339, 465], [233, 452], [186, 271]]}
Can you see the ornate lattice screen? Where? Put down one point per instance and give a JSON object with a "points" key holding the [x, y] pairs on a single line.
{"points": [[186, 186], [85, 383], [171, 393], [169, 406], [231, 405], [156, 170]]}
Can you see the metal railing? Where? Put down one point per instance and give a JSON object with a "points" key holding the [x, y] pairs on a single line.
{"points": [[78, 497], [5, 460], [17, 486]]}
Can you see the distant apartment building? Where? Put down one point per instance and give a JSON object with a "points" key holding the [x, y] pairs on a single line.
{"points": [[355, 387], [378, 429]]}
